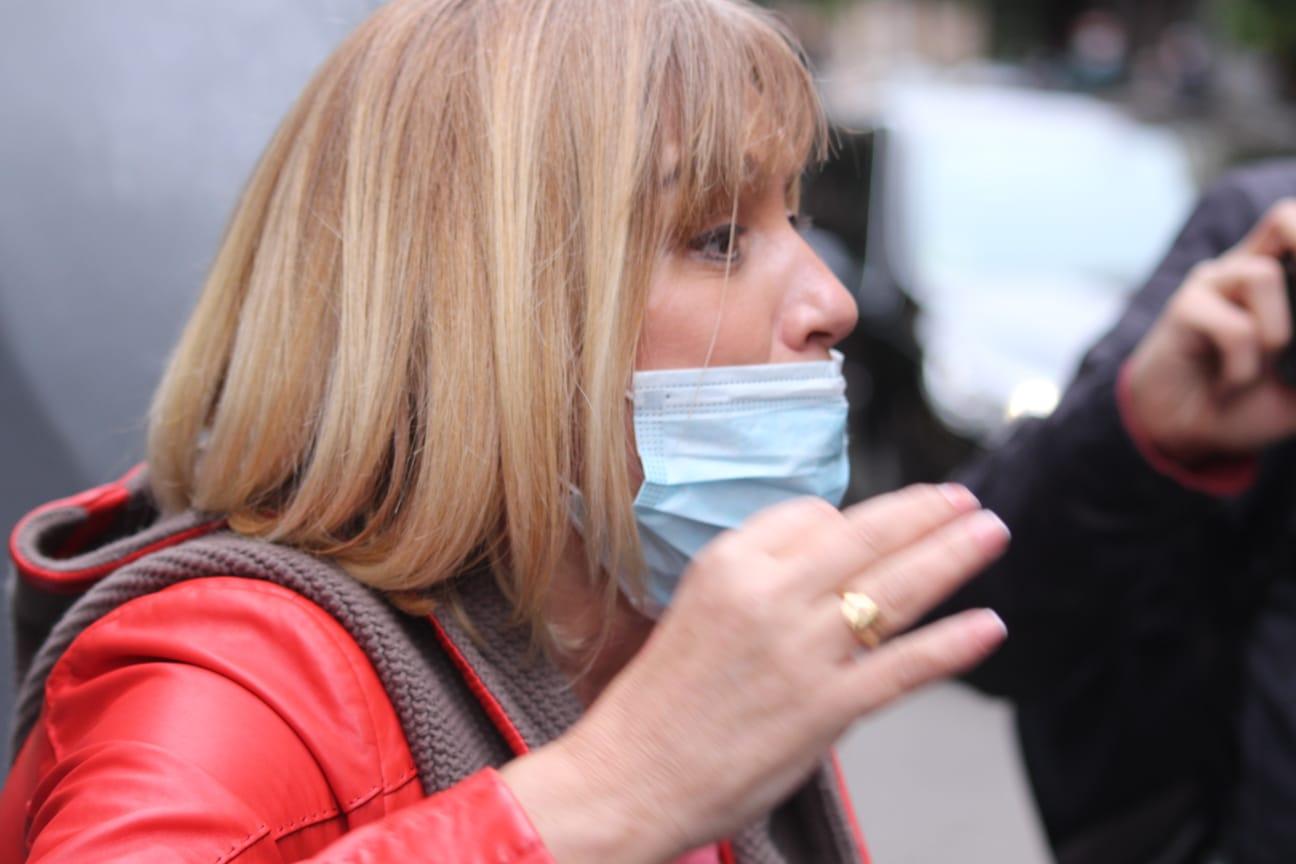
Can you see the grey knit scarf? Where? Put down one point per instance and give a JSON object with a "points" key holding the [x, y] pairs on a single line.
{"points": [[449, 734]]}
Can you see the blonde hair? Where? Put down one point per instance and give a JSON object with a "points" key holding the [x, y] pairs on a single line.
{"points": [[420, 325]]}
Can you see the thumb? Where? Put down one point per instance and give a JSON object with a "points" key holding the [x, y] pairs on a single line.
{"points": [[1275, 233], [1261, 417]]}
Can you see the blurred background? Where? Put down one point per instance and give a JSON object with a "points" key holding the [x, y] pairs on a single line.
{"points": [[1006, 173]]}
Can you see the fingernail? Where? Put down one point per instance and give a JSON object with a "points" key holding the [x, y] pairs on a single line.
{"points": [[992, 618], [959, 496], [989, 528], [993, 630]]}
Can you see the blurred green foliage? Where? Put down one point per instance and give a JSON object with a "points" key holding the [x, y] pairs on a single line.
{"points": [[1268, 25]]}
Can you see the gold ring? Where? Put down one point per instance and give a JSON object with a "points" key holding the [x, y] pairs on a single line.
{"points": [[861, 614]]}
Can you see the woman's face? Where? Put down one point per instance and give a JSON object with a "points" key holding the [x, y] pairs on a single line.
{"points": [[778, 304]]}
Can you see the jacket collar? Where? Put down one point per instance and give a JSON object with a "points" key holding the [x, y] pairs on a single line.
{"points": [[525, 696]]}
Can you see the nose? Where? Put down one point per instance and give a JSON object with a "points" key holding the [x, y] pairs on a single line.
{"points": [[820, 312]]}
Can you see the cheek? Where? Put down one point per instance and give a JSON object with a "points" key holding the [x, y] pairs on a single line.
{"points": [[689, 316], [746, 333]]}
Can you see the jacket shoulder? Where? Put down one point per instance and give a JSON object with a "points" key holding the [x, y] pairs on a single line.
{"points": [[1265, 183], [223, 665], [1241, 196]]}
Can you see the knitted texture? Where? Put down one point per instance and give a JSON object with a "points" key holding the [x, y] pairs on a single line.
{"points": [[443, 725], [449, 735]]}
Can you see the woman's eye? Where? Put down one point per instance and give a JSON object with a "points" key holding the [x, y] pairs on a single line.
{"points": [[719, 244]]}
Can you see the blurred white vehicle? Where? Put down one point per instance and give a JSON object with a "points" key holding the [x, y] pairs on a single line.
{"points": [[1019, 221]]}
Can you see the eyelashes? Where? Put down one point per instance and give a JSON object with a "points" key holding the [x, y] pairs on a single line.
{"points": [[722, 244]]}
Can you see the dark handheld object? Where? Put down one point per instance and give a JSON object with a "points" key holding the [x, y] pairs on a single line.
{"points": [[1287, 357]]}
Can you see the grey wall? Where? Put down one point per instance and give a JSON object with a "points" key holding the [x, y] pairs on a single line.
{"points": [[126, 131]]}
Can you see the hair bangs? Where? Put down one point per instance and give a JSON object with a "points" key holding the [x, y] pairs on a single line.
{"points": [[743, 111]]}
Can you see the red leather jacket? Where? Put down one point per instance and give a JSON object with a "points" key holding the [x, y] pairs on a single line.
{"points": [[230, 719], [225, 719]]}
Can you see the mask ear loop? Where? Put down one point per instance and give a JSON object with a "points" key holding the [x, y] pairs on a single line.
{"points": [[724, 301], [724, 287]]}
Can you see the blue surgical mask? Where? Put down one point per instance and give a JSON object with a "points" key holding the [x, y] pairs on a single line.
{"points": [[719, 444]]}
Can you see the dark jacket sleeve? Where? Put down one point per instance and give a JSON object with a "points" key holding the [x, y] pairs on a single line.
{"points": [[1094, 525], [1118, 590]]}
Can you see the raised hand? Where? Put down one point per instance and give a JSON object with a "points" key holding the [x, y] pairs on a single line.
{"points": [[753, 672], [1203, 382]]}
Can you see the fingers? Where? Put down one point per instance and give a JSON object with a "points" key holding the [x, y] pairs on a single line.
{"points": [[783, 527], [948, 647], [827, 547], [893, 521], [872, 531], [1275, 233], [1257, 283], [1238, 306], [1228, 332], [909, 583]]}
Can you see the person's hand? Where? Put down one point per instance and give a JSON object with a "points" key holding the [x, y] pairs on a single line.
{"points": [[1202, 383], [753, 672]]}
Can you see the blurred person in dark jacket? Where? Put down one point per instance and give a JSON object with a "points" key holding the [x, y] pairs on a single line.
{"points": [[1150, 586]]}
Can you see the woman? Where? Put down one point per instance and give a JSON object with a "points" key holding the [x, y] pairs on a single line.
{"points": [[513, 331]]}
